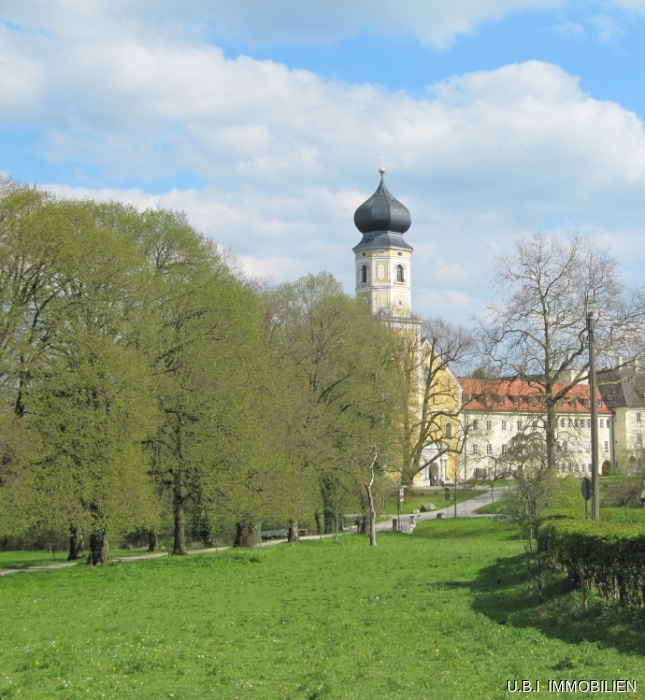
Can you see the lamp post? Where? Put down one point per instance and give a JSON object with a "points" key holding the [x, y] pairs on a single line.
{"points": [[595, 477]]}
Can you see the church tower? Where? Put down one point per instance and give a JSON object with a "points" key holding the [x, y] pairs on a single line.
{"points": [[382, 258]]}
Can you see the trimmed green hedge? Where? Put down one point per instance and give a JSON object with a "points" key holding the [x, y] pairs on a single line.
{"points": [[607, 515], [609, 555]]}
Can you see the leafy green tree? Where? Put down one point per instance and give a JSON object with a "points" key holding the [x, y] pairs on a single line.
{"points": [[337, 357]]}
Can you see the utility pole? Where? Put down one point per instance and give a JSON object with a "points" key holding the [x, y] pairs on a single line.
{"points": [[595, 477]]}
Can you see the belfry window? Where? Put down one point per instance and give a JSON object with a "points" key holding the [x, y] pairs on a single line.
{"points": [[400, 275], [363, 274]]}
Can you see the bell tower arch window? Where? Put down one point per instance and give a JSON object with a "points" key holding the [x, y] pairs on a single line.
{"points": [[400, 273], [363, 274]]}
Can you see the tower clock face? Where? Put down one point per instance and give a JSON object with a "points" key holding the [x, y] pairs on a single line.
{"points": [[400, 302]]}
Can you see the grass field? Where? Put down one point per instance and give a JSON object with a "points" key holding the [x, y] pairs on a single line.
{"points": [[416, 498], [442, 614]]}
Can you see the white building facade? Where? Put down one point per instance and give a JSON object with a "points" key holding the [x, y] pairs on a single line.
{"points": [[495, 411]]}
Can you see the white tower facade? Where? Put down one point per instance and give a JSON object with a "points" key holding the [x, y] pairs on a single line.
{"points": [[382, 258]]}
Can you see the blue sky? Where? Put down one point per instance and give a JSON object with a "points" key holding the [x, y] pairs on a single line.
{"points": [[264, 120]]}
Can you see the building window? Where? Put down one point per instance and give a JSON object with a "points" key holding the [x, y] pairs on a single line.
{"points": [[606, 446], [516, 400], [602, 423], [535, 426], [572, 403], [610, 397], [519, 425], [587, 403], [588, 447], [475, 449], [489, 425], [363, 274], [562, 423], [575, 422], [639, 438], [565, 446], [489, 449], [570, 423], [531, 400], [503, 425], [500, 400], [448, 430], [638, 417], [400, 275], [599, 403], [475, 425], [504, 448]]}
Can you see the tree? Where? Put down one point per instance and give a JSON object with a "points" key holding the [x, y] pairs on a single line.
{"points": [[535, 484], [206, 354], [537, 331], [429, 395], [337, 357], [69, 288]]}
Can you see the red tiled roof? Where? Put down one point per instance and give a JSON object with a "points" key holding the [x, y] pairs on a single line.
{"points": [[483, 395]]}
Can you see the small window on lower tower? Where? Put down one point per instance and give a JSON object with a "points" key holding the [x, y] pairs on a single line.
{"points": [[400, 273], [363, 274]]}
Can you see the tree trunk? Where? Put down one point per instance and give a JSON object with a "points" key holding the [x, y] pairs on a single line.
{"points": [[372, 519], [330, 520], [320, 528], [76, 544], [293, 532], [179, 498], [550, 435], [153, 542], [98, 547], [245, 535], [370, 498]]}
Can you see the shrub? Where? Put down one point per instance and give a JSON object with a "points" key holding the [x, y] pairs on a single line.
{"points": [[607, 555]]}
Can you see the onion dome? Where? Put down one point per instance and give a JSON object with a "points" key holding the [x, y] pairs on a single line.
{"points": [[382, 212]]}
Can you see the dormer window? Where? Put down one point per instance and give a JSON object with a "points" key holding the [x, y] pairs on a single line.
{"points": [[363, 274], [500, 400], [400, 273], [516, 400], [531, 400], [572, 403]]}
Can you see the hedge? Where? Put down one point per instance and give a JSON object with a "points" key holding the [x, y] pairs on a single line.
{"points": [[607, 515], [607, 555]]}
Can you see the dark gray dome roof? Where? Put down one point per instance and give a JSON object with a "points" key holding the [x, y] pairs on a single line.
{"points": [[382, 212]]}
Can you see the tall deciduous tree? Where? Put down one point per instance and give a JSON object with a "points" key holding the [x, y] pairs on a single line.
{"points": [[340, 398], [429, 394], [537, 331]]}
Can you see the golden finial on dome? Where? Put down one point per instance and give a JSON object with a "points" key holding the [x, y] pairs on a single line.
{"points": [[382, 168]]}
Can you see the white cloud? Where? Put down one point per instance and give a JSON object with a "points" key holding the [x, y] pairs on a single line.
{"points": [[608, 29], [286, 157], [434, 22]]}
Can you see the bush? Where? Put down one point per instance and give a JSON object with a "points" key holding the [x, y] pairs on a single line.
{"points": [[607, 555]]}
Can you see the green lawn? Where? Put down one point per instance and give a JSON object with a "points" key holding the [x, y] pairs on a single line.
{"points": [[444, 613], [415, 499], [24, 559]]}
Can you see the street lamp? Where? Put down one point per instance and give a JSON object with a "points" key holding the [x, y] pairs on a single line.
{"points": [[595, 478]]}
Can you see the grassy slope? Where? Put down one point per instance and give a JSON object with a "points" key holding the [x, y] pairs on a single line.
{"points": [[442, 614], [418, 498]]}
